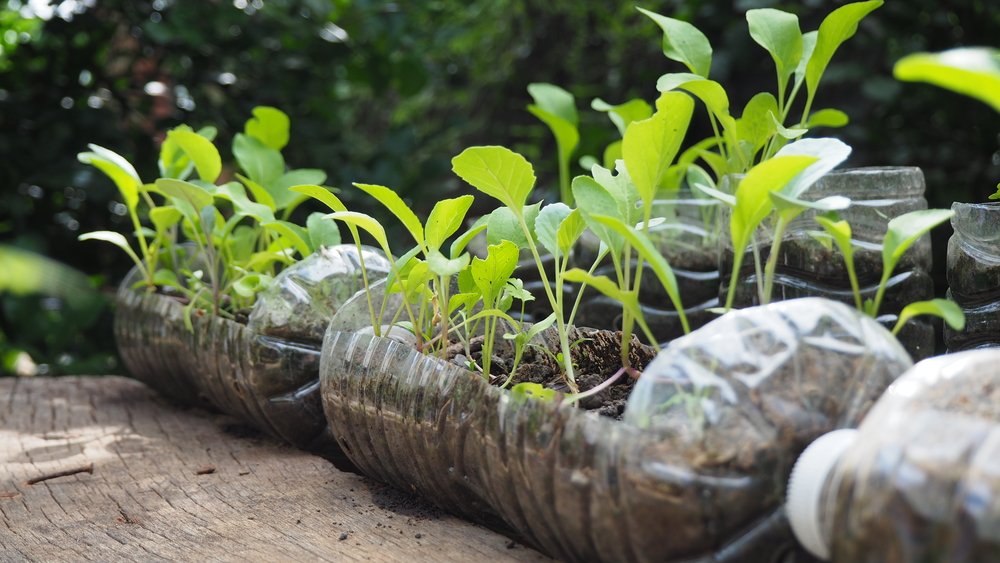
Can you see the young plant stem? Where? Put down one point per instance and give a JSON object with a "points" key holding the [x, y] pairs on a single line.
{"points": [[734, 277], [556, 305], [565, 193], [772, 258], [855, 287], [579, 294], [603, 385], [757, 268], [877, 303]]}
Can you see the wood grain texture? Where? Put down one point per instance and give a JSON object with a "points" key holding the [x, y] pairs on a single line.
{"points": [[175, 484]]}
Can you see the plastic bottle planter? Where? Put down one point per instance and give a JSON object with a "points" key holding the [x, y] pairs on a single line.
{"points": [[583, 487], [974, 274], [267, 382], [689, 240], [918, 481], [807, 267]]}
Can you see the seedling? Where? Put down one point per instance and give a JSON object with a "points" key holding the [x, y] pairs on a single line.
{"points": [[902, 233], [556, 108], [241, 242], [738, 144]]}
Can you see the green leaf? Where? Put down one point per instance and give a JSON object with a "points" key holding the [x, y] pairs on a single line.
{"points": [[458, 246], [808, 45], [972, 71], [827, 118], [201, 151], [233, 192], [829, 153], [187, 192], [593, 199], [684, 43], [555, 101], [321, 194], [164, 217], [280, 189], [497, 172], [621, 187], [756, 125], [292, 234], [502, 225], [623, 114], [602, 284], [367, 223], [753, 201], [114, 166], [491, 273], [261, 163], [650, 145], [395, 204], [946, 309], [445, 219], [270, 126], [839, 26], [612, 154], [526, 390], [777, 32], [260, 194], [710, 92], [906, 229], [547, 223], [838, 229], [251, 284], [787, 132], [443, 266], [322, 231], [114, 238], [784, 202], [570, 230]]}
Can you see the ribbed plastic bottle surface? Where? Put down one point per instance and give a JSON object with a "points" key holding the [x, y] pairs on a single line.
{"points": [[921, 479], [974, 275]]}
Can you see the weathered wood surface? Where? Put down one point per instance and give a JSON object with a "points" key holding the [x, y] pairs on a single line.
{"points": [[175, 484]]}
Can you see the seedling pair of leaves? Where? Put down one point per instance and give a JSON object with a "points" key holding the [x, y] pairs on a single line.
{"points": [[902, 233], [761, 130]]}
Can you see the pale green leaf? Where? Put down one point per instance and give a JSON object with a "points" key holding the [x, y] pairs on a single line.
{"points": [[192, 194], [164, 217], [786, 132], [827, 118], [829, 153], [321, 194], [569, 231], [367, 223], [972, 71], [555, 101], [440, 265], [395, 204], [945, 309], [684, 43], [114, 166], [280, 189], [260, 194], [322, 231], [270, 126], [777, 32], [593, 199], [458, 246], [445, 219], [650, 145], [907, 229], [114, 238], [756, 125], [261, 163], [491, 273], [753, 201], [547, 223], [839, 26], [201, 151], [497, 172]]}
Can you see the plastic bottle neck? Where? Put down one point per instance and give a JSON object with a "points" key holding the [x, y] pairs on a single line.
{"points": [[806, 487]]}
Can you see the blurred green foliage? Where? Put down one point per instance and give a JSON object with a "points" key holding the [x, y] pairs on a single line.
{"points": [[388, 92]]}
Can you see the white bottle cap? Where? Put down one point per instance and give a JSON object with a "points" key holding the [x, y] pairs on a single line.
{"points": [[806, 486]]}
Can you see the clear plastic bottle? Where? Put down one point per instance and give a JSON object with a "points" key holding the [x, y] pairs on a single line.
{"points": [[974, 275], [919, 480]]}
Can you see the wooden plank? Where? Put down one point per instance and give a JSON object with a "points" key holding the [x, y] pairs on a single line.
{"points": [[175, 484]]}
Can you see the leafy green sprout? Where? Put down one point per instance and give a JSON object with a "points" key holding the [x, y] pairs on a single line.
{"points": [[971, 71], [240, 241], [903, 232], [556, 108], [800, 59]]}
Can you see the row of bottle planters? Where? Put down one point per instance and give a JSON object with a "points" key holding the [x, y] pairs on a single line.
{"points": [[694, 240], [696, 475]]}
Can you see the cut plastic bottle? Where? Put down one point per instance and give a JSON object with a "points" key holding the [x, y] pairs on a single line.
{"points": [[919, 480]]}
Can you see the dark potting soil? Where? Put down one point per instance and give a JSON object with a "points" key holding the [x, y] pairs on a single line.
{"points": [[596, 357]]}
